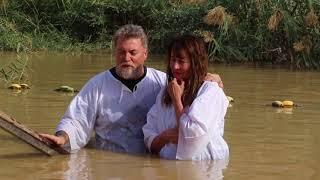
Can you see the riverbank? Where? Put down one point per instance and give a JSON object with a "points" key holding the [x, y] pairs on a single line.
{"points": [[286, 32]]}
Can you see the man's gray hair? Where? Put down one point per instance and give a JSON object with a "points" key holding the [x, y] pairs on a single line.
{"points": [[130, 31]]}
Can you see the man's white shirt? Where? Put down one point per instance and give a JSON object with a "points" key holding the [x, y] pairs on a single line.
{"points": [[111, 110]]}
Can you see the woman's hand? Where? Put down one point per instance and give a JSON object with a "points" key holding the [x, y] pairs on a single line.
{"points": [[171, 135], [175, 90], [167, 136]]}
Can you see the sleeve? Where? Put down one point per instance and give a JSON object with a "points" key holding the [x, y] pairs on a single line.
{"points": [[79, 119], [151, 129], [202, 121]]}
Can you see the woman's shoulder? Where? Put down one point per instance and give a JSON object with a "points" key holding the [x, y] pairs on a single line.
{"points": [[161, 94], [208, 86], [211, 91]]}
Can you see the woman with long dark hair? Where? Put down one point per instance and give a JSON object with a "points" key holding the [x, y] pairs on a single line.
{"points": [[187, 121]]}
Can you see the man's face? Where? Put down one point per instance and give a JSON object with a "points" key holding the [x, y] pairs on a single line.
{"points": [[130, 57]]}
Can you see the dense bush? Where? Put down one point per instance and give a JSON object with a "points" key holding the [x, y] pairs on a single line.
{"points": [[285, 32]]}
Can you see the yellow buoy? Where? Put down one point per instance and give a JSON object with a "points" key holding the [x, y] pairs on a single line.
{"points": [[287, 103], [14, 86]]}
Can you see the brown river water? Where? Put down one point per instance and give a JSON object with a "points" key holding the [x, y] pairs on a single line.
{"points": [[265, 142]]}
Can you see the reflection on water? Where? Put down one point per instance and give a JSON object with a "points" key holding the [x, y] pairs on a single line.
{"points": [[265, 142], [284, 110], [91, 164]]}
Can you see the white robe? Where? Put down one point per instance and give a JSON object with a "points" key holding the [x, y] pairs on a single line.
{"points": [[201, 126], [113, 111]]}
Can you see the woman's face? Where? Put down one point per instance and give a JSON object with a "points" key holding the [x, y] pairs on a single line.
{"points": [[180, 65]]}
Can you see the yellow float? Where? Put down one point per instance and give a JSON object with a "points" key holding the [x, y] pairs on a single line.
{"points": [[285, 104], [15, 86]]}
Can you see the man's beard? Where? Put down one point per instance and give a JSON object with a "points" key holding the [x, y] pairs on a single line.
{"points": [[129, 72]]}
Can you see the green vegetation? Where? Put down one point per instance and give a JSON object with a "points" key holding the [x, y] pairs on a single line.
{"points": [[280, 32]]}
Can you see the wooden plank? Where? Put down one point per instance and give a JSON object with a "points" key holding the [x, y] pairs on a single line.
{"points": [[28, 135]]}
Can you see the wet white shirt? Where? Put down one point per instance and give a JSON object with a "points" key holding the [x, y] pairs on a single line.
{"points": [[201, 126], [110, 109]]}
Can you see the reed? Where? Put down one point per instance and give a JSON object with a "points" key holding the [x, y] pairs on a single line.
{"points": [[216, 16], [311, 19], [275, 20]]}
